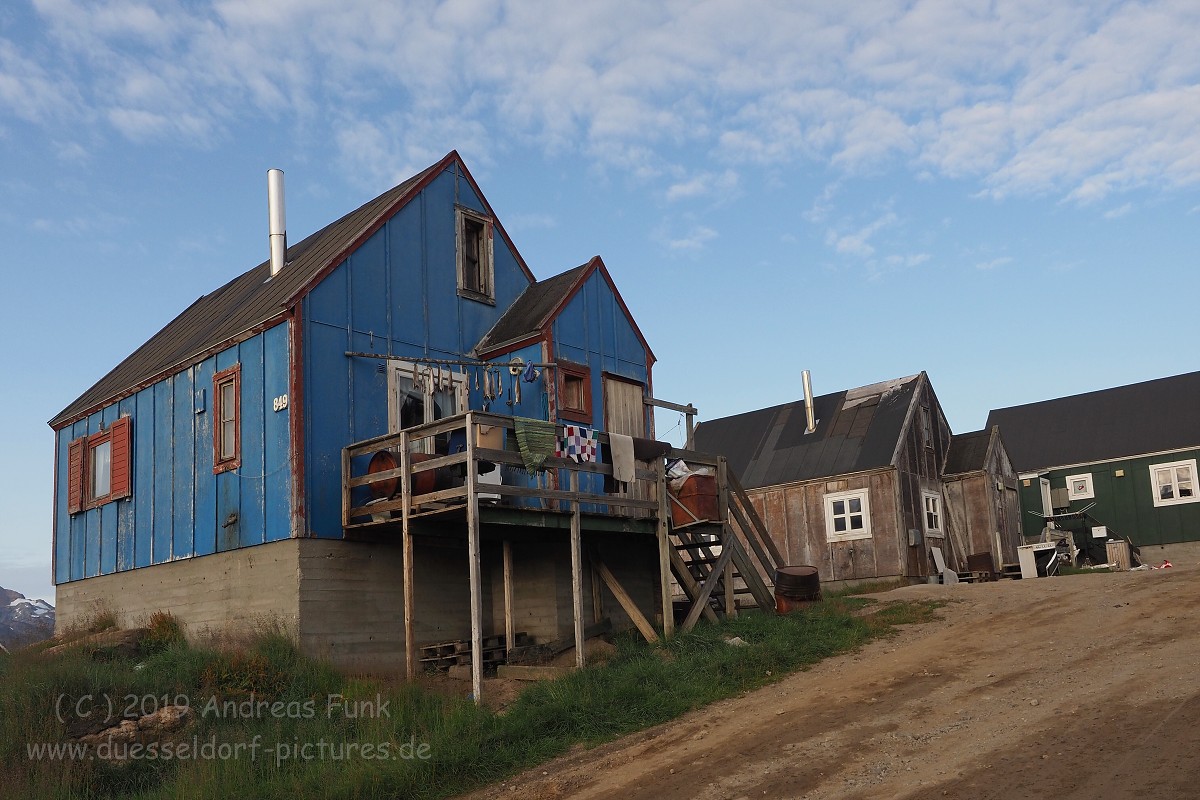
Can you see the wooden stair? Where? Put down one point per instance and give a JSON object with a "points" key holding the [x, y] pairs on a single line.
{"points": [[718, 563]]}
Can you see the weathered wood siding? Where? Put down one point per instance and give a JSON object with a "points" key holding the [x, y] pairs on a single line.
{"points": [[178, 508], [919, 461], [983, 512], [795, 518]]}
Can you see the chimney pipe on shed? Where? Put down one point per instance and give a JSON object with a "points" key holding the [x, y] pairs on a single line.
{"points": [[808, 402], [275, 214]]}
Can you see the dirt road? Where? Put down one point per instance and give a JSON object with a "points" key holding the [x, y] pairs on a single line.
{"points": [[1074, 687]]}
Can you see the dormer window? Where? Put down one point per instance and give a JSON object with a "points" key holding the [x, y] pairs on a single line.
{"points": [[475, 270]]}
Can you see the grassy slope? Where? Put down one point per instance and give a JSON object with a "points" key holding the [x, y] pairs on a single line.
{"points": [[641, 686]]}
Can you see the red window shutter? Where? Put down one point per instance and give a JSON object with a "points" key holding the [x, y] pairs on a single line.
{"points": [[75, 474], [121, 483]]}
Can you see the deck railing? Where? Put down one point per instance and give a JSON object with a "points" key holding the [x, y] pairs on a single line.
{"points": [[416, 450]]}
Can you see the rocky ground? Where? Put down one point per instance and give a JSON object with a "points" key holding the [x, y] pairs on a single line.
{"points": [[1074, 687]]}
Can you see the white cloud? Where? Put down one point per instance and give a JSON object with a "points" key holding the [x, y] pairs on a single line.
{"points": [[703, 184], [693, 240], [993, 263], [1120, 211], [857, 243], [1022, 98]]}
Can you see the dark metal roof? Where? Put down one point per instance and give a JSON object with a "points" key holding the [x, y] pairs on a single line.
{"points": [[856, 430], [532, 310], [968, 452], [247, 301], [1149, 417]]}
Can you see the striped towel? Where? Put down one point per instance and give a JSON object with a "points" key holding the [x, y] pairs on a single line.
{"points": [[536, 441]]}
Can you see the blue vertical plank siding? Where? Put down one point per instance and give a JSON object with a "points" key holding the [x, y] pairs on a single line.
{"points": [[229, 484], [126, 529], [204, 527], [184, 443], [174, 511], [396, 294], [108, 513], [277, 483], [78, 522], [251, 474], [62, 519], [144, 440], [164, 470]]}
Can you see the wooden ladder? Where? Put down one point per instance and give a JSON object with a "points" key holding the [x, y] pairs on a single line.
{"points": [[723, 558]]}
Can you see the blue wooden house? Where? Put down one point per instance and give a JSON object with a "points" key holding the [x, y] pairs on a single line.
{"points": [[229, 468]]}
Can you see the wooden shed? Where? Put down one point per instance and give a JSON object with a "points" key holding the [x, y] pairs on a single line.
{"points": [[860, 495], [982, 507]]}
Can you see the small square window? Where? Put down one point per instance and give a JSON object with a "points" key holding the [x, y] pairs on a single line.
{"points": [[847, 516], [1079, 487], [574, 392], [1174, 483], [476, 276]]}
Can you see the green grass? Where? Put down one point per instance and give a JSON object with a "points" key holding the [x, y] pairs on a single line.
{"points": [[641, 686]]}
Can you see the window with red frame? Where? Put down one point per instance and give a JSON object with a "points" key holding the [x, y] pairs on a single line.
{"points": [[99, 467], [227, 407], [574, 392]]}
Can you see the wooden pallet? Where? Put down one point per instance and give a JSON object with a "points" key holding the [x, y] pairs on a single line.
{"points": [[441, 656]]}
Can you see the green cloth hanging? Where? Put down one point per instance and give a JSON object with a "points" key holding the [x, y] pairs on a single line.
{"points": [[536, 440]]}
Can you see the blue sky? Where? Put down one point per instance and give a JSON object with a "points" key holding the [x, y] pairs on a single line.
{"points": [[1004, 195]]}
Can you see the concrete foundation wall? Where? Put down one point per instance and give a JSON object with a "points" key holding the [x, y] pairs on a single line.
{"points": [[344, 601], [234, 590]]}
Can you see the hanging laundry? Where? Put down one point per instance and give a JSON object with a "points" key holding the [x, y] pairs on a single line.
{"points": [[530, 374], [622, 456], [535, 440], [577, 443]]}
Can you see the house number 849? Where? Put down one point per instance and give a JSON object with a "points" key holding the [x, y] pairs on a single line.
{"points": [[279, 403]]}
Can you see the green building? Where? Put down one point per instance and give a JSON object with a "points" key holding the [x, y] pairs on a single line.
{"points": [[1126, 456]]}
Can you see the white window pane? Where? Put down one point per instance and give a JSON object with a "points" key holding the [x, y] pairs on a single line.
{"points": [[855, 504], [101, 469], [227, 401], [1163, 476], [228, 439], [1185, 489], [1183, 474]]}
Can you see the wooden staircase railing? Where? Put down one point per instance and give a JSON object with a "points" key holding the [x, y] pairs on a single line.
{"points": [[709, 558]]}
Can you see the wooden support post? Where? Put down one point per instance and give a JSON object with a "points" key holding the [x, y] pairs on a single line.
{"points": [[597, 596], [664, 551], [749, 572], [577, 572], [508, 598], [730, 596], [346, 499], [410, 646], [701, 601], [474, 558], [688, 582], [635, 613]]}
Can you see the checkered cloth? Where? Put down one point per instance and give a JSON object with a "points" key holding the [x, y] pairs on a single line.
{"points": [[577, 443]]}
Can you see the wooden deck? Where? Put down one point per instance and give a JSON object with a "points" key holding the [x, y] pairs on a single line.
{"points": [[711, 560]]}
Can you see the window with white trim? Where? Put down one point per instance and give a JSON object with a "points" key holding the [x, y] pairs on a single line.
{"points": [[847, 516], [1079, 487], [932, 506], [1174, 483]]}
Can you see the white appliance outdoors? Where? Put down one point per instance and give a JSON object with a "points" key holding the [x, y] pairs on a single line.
{"points": [[1027, 555]]}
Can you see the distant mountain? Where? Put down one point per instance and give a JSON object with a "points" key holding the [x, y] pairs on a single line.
{"points": [[23, 621]]}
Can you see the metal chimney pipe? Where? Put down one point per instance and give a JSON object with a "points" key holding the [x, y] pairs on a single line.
{"points": [[808, 402], [275, 214]]}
